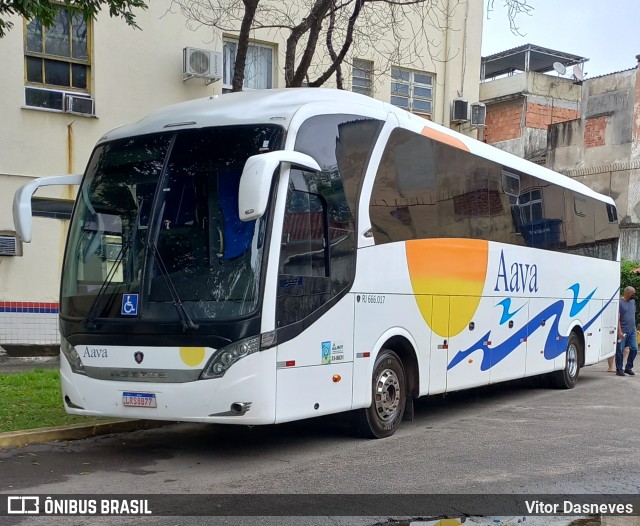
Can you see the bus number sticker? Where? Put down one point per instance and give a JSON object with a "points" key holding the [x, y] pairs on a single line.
{"points": [[374, 299]]}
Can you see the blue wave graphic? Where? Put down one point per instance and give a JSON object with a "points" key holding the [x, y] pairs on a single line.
{"points": [[577, 306], [506, 315], [553, 347]]}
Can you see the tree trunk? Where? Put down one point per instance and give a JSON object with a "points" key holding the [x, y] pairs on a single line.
{"points": [[250, 7]]}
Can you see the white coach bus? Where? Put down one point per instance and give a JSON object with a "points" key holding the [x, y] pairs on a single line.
{"points": [[271, 256]]}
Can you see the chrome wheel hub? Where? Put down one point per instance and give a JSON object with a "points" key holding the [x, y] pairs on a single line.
{"points": [[387, 395], [572, 361]]}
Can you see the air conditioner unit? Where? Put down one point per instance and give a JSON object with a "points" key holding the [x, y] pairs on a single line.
{"points": [[201, 63], [478, 114], [78, 104], [459, 111], [10, 245]]}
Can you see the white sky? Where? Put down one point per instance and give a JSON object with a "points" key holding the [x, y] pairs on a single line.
{"points": [[607, 32]]}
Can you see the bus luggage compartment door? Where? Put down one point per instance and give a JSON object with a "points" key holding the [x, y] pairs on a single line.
{"points": [[609, 329]]}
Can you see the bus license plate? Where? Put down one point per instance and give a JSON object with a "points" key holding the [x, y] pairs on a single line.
{"points": [[139, 400]]}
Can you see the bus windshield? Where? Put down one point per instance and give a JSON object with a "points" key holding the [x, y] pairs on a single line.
{"points": [[156, 234]]}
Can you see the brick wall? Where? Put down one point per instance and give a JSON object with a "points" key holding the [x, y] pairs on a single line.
{"points": [[594, 130], [504, 121], [541, 115]]}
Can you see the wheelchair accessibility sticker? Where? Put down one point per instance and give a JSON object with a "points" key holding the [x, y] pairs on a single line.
{"points": [[129, 305]]}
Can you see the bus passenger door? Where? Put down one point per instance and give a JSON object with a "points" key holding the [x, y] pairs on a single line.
{"points": [[314, 312], [508, 338]]}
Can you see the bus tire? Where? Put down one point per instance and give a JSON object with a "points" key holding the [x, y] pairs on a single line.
{"points": [[568, 376], [388, 393]]}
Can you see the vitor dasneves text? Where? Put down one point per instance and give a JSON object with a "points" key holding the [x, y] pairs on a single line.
{"points": [[567, 506]]}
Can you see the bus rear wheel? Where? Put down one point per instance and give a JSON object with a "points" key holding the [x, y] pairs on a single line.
{"points": [[568, 376], [389, 395]]}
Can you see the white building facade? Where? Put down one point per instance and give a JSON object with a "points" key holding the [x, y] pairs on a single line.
{"points": [[63, 87]]}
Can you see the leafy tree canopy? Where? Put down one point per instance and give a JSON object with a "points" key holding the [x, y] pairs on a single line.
{"points": [[46, 11]]}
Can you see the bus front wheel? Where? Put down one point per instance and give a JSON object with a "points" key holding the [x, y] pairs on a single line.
{"points": [[389, 395], [568, 376]]}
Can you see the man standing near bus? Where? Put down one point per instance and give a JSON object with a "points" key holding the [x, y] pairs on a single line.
{"points": [[627, 332]]}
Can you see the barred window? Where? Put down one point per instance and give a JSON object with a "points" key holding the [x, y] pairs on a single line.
{"points": [[412, 90], [58, 63], [361, 77]]}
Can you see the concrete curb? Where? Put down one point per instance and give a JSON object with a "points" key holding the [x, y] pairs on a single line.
{"points": [[28, 362], [74, 432]]}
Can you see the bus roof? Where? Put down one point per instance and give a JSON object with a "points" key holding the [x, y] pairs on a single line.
{"points": [[278, 106], [275, 106]]}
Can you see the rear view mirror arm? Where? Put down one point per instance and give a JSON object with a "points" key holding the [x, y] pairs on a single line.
{"points": [[22, 201]]}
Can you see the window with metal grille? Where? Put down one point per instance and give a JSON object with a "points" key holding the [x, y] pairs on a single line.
{"points": [[361, 77], [57, 63], [412, 90]]}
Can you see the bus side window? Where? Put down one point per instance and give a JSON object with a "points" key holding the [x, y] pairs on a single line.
{"points": [[304, 284], [318, 247]]}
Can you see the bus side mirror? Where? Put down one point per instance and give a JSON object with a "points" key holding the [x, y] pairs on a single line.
{"points": [[22, 201], [257, 176]]}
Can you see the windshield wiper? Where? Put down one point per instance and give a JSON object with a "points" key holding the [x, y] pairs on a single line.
{"points": [[187, 322], [90, 320]]}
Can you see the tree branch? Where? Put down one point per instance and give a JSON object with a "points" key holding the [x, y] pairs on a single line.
{"points": [[332, 53], [337, 60], [312, 24]]}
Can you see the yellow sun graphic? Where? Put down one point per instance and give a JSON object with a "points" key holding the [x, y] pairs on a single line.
{"points": [[192, 356], [441, 268]]}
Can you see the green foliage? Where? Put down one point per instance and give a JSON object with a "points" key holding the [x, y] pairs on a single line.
{"points": [[34, 399], [46, 11], [627, 277]]}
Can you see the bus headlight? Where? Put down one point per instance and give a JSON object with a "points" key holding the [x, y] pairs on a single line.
{"points": [[72, 357], [224, 358]]}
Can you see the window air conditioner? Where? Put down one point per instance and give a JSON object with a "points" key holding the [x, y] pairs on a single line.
{"points": [[201, 63], [10, 245], [78, 104], [478, 114], [459, 111]]}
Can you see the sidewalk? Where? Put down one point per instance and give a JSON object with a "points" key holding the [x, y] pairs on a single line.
{"points": [[12, 439], [28, 359], [24, 364]]}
